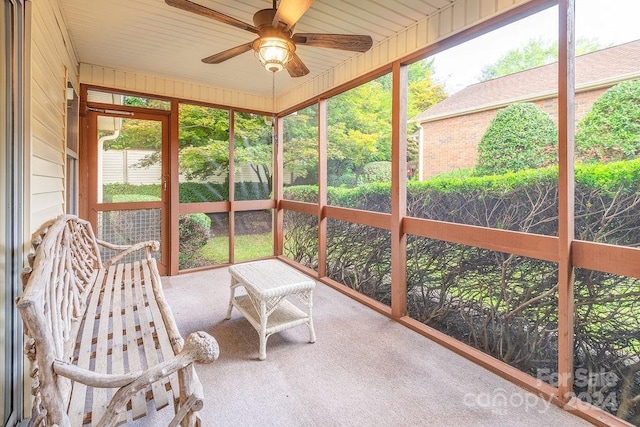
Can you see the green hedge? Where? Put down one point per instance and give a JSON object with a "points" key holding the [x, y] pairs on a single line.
{"points": [[116, 192], [442, 197], [376, 196], [609, 177], [190, 192]]}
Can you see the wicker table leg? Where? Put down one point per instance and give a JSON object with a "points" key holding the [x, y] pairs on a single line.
{"points": [[263, 330], [232, 291], [308, 297]]}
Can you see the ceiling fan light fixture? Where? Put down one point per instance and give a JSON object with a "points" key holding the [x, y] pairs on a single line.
{"points": [[274, 53], [275, 46]]}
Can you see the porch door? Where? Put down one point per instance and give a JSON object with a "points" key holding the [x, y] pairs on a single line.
{"points": [[129, 181]]}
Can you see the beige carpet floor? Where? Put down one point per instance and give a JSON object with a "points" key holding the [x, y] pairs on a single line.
{"points": [[363, 370]]}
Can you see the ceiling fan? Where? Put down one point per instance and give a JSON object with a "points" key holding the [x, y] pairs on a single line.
{"points": [[276, 44]]}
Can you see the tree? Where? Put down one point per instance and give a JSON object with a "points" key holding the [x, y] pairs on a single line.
{"points": [[203, 137], [136, 135], [611, 130], [253, 144], [359, 128], [535, 53], [423, 91], [199, 126], [360, 120], [521, 136], [200, 163], [144, 102], [300, 157]]}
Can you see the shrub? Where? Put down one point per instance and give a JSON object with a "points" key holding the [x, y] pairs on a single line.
{"points": [[373, 197], [189, 192], [248, 190], [611, 130], [377, 172], [521, 136], [302, 193], [132, 198], [347, 179], [194, 232], [193, 192], [128, 192]]}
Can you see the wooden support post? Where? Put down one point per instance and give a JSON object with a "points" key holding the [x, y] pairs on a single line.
{"points": [[322, 187], [566, 130], [90, 157], [232, 187], [84, 168], [278, 181], [173, 203], [399, 190]]}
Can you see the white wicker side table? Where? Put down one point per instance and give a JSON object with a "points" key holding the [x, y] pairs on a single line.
{"points": [[268, 283]]}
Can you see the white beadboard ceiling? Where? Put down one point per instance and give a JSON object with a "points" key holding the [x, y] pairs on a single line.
{"points": [[150, 37]]}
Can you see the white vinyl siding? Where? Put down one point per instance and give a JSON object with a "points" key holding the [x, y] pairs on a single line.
{"points": [[119, 166], [52, 63]]}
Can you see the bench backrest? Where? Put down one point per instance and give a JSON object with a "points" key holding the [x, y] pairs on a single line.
{"points": [[63, 267]]}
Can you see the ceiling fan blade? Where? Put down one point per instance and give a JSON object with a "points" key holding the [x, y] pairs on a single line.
{"points": [[192, 7], [289, 11], [296, 67], [227, 54], [351, 42]]}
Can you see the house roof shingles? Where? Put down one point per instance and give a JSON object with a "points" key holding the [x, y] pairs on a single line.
{"points": [[591, 68]]}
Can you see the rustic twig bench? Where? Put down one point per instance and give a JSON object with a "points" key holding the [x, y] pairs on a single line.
{"points": [[102, 340]]}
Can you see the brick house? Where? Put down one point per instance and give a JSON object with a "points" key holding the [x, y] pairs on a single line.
{"points": [[451, 130]]}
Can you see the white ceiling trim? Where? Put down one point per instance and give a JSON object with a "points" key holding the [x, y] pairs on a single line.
{"points": [[113, 78]]}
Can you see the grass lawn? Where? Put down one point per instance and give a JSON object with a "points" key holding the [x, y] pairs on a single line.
{"points": [[247, 247], [130, 198]]}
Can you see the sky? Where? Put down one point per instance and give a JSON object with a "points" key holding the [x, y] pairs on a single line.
{"points": [[611, 22]]}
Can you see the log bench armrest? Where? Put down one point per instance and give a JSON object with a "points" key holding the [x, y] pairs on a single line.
{"points": [[149, 247], [199, 347], [203, 349]]}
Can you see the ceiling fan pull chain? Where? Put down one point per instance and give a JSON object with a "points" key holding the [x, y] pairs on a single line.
{"points": [[274, 136]]}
